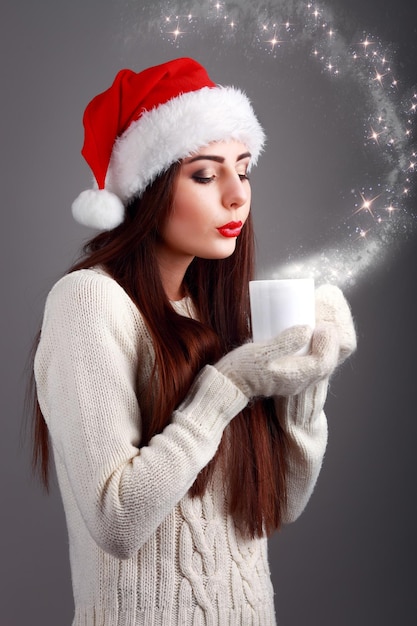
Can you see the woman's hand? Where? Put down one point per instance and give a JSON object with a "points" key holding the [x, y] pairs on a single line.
{"points": [[274, 368], [332, 308]]}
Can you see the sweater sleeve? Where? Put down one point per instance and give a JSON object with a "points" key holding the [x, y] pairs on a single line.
{"points": [[304, 421], [86, 371]]}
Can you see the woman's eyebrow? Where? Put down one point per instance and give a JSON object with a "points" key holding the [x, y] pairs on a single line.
{"points": [[218, 159]]}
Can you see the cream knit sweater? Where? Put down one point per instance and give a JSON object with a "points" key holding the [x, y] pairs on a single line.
{"points": [[142, 552]]}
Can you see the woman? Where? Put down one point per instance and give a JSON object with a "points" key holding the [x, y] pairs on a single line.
{"points": [[179, 445]]}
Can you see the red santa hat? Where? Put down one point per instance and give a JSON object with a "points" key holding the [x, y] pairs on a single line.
{"points": [[148, 120]]}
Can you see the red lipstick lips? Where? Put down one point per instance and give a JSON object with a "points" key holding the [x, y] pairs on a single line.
{"points": [[232, 229]]}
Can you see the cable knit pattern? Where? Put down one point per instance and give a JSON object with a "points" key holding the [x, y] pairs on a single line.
{"points": [[142, 552]]}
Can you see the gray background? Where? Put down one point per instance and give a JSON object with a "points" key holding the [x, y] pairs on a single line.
{"points": [[350, 559]]}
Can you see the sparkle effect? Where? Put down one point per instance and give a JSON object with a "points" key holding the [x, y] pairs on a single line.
{"points": [[380, 211]]}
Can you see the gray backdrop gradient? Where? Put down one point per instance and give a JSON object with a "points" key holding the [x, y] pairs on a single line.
{"points": [[350, 559]]}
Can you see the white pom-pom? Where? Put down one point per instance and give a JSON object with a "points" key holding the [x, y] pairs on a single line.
{"points": [[98, 208]]}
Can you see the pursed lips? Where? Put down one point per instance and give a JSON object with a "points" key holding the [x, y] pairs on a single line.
{"points": [[231, 229]]}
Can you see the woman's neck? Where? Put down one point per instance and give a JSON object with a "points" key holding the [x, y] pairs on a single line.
{"points": [[172, 271]]}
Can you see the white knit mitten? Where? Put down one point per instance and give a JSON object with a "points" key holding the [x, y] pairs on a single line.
{"points": [[332, 308], [274, 368]]}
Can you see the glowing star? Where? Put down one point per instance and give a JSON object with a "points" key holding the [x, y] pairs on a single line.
{"points": [[363, 233], [391, 209], [374, 135], [367, 204], [177, 32], [366, 43], [274, 41], [379, 77]]}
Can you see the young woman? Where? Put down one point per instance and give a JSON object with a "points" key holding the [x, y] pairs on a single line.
{"points": [[179, 445]]}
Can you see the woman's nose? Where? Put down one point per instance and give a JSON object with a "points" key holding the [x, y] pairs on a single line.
{"points": [[236, 192]]}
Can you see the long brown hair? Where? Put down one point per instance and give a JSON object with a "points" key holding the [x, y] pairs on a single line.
{"points": [[254, 460]]}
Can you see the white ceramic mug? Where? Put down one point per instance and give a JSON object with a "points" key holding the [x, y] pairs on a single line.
{"points": [[279, 304]]}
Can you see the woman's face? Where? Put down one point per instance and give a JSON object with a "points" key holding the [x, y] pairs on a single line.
{"points": [[211, 204]]}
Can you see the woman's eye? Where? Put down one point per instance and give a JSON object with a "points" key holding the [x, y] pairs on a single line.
{"points": [[203, 180]]}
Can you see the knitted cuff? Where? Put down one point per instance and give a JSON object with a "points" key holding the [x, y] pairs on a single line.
{"points": [[211, 403], [304, 409]]}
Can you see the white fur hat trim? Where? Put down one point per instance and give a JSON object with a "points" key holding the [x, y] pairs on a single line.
{"points": [[175, 130]]}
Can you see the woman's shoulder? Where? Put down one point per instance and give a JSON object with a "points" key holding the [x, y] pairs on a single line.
{"points": [[92, 293], [92, 284], [91, 278]]}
